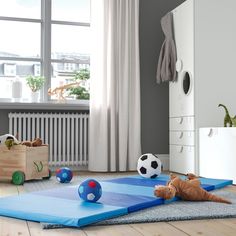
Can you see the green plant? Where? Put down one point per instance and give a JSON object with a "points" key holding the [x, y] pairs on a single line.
{"points": [[80, 92], [35, 82], [82, 74]]}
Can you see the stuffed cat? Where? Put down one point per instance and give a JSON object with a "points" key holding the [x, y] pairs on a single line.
{"points": [[228, 120], [189, 190]]}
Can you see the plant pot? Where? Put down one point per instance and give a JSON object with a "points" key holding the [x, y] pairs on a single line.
{"points": [[35, 96]]}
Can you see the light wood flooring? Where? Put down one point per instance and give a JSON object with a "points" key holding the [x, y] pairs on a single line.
{"points": [[14, 227]]}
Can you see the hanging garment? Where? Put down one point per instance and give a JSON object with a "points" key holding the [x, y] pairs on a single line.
{"points": [[166, 64]]}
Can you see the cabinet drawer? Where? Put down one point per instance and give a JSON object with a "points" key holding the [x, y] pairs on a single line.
{"points": [[217, 152], [182, 123], [182, 159], [182, 137]]}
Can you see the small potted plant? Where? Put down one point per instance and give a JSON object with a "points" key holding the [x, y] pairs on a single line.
{"points": [[81, 92], [35, 83]]}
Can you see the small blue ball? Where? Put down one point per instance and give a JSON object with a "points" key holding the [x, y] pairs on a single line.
{"points": [[64, 175], [90, 190]]}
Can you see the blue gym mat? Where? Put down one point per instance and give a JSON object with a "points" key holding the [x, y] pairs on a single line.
{"points": [[63, 206]]}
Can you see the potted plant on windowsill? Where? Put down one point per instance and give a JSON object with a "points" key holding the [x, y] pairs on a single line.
{"points": [[81, 92], [35, 83]]}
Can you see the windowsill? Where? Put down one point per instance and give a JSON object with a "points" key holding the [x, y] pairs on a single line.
{"points": [[50, 105]]}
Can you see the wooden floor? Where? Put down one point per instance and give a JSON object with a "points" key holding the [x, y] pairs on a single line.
{"points": [[14, 227]]}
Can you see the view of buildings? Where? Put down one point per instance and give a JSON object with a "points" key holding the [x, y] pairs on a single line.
{"points": [[61, 72]]}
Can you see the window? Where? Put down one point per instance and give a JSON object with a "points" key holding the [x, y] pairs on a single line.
{"points": [[9, 69], [43, 37], [37, 70]]}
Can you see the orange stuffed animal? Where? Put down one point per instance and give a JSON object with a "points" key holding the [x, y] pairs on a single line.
{"points": [[189, 189], [35, 143]]}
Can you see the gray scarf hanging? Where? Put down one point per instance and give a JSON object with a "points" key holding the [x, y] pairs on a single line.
{"points": [[166, 64]]}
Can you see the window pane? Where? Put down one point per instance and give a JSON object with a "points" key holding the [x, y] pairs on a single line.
{"points": [[71, 10], [65, 73], [11, 71], [70, 41], [19, 39], [21, 8]]}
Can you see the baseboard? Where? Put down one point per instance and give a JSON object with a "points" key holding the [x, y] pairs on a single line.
{"points": [[163, 157], [73, 168], [164, 160]]}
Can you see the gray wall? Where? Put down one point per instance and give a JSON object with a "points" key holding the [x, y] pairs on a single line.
{"points": [[154, 97], [3, 122]]}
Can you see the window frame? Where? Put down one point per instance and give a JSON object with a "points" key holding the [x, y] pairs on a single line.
{"points": [[45, 59]]}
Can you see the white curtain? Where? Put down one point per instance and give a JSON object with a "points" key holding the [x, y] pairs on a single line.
{"points": [[114, 130]]}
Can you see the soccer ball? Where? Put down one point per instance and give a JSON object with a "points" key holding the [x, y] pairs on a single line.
{"points": [[90, 190], [149, 166], [64, 175]]}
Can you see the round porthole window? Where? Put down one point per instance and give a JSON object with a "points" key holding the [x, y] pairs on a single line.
{"points": [[186, 82]]}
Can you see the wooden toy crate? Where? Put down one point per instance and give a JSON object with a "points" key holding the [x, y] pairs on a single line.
{"points": [[22, 163]]}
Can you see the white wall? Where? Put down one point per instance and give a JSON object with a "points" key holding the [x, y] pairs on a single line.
{"points": [[215, 60]]}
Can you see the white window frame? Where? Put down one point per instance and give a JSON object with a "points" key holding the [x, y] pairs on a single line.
{"points": [[45, 59], [37, 71]]}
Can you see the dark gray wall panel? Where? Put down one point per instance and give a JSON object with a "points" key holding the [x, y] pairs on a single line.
{"points": [[4, 122], [154, 97]]}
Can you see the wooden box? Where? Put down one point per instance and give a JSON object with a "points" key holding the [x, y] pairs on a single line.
{"points": [[32, 161]]}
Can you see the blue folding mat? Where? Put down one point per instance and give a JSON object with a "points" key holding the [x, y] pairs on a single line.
{"points": [[63, 205]]}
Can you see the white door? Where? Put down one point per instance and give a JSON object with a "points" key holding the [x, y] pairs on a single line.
{"points": [[182, 91]]}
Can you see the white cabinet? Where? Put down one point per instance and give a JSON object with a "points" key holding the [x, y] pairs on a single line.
{"points": [[182, 138], [183, 160], [217, 153], [182, 123], [181, 98], [205, 37]]}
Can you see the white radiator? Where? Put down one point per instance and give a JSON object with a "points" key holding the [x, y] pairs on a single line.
{"points": [[65, 133]]}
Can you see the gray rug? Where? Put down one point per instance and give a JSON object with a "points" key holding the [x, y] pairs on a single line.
{"points": [[180, 210]]}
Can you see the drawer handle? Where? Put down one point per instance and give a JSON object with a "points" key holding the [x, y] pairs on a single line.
{"points": [[181, 149], [181, 135], [210, 132], [181, 119]]}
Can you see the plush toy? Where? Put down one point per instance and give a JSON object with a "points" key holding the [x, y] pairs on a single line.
{"points": [[228, 120], [149, 166], [5, 137], [189, 189], [90, 190], [9, 140], [35, 143], [64, 175]]}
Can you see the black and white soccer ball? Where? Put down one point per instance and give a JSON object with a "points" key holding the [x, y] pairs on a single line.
{"points": [[149, 166], [5, 137]]}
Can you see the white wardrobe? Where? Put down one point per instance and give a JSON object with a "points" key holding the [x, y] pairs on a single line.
{"points": [[205, 36]]}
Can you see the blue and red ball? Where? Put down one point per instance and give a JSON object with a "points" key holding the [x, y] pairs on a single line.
{"points": [[90, 190], [64, 175]]}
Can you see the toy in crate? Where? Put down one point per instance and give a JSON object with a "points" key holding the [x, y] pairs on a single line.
{"points": [[23, 161]]}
